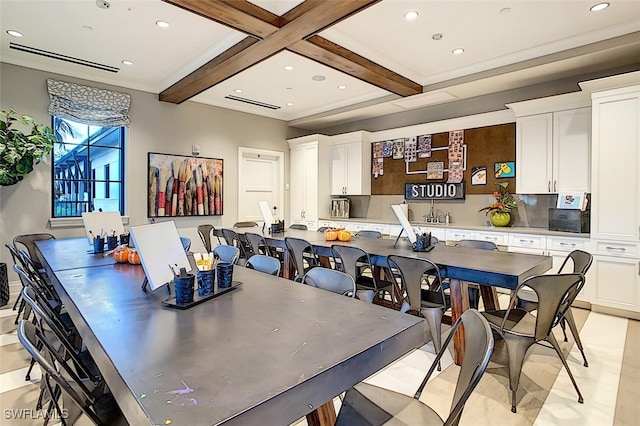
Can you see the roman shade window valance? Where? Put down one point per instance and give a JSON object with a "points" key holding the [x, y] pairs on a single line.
{"points": [[88, 105]]}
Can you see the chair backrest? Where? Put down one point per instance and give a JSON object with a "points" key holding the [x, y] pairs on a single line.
{"points": [[246, 224], [478, 348], [29, 243], [29, 270], [297, 247], [264, 263], [331, 280], [227, 253], [186, 243], [258, 243], [414, 272], [15, 256], [556, 293], [350, 258], [581, 262], [323, 228], [369, 234], [299, 226], [478, 244], [233, 239], [205, 235], [31, 338]]}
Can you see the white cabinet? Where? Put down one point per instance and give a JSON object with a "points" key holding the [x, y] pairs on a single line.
{"points": [[618, 282], [351, 164], [498, 238], [309, 192], [553, 144], [459, 234], [528, 243], [615, 199]]}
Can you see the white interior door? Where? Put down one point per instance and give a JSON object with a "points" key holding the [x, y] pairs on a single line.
{"points": [[261, 178]]}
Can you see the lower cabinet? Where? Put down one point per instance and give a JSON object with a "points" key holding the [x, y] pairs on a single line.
{"points": [[617, 274]]}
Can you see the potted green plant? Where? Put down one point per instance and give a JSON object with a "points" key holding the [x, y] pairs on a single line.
{"points": [[500, 209], [19, 151]]}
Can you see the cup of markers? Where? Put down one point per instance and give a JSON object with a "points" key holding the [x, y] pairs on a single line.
{"points": [[205, 275]]}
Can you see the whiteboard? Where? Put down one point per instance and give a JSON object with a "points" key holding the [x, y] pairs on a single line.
{"points": [[404, 221], [266, 214], [159, 246], [102, 221]]}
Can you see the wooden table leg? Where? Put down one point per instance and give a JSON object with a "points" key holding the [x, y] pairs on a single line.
{"points": [[324, 415], [489, 297], [289, 271], [459, 303]]}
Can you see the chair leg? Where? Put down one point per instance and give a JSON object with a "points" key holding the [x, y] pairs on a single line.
{"points": [[22, 305], [517, 347], [434, 320], [563, 326], [568, 316], [551, 339]]}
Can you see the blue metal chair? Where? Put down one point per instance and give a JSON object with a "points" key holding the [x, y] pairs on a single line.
{"points": [[264, 263], [227, 253]]}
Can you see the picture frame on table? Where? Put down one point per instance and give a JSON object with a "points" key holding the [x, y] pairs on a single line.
{"points": [[572, 201], [179, 185]]}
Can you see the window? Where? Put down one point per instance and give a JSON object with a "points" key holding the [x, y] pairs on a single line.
{"points": [[88, 168]]}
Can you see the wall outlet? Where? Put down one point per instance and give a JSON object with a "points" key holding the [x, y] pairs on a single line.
{"points": [[286, 186]]}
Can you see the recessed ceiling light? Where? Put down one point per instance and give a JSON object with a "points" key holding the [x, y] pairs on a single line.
{"points": [[102, 4], [288, 67], [411, 15], [342, 87], [458, 51], [14, 33], [437, 36], [238, 90], [162, 24], [598, 7], [289, 103], [318, 78], [127, 62]]}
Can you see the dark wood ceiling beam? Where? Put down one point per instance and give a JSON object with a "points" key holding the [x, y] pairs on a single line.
{"points": [[337, 57]]}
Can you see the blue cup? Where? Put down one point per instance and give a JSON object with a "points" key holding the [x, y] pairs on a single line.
{"points": [[224, 273], [184, 288], [98, 245], [112, 242], [124, 239], [422, 242], [205, 282]]}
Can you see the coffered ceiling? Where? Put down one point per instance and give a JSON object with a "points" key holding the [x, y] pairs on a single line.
{"points": [[319, 63]]}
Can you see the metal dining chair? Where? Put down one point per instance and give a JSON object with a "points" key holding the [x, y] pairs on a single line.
{"points": [[234, 239], [331, 280], [366, 404], [264, 263], [186, 243], [474, 290], [258, 243], [28, 242], [299, 226], [368, 234], [302, 254], [205, 233], [227, 253]]}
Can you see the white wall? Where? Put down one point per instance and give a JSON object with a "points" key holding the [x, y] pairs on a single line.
{"points": [[155, 127]]}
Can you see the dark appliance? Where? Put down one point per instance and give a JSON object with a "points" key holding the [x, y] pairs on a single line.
{"points": [[566, 220]]}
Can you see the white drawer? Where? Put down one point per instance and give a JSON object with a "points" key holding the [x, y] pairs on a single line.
{"points": [[567, 244], [327, 223], [528, 241], [498, 238], [618, 249], [459, 234], [381, 228]]}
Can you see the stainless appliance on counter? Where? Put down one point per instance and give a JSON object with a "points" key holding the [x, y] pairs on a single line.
{"points": [[340, 208], [569, 220]]}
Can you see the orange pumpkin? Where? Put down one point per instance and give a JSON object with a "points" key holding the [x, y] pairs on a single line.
{"points": [[331, 234], [121, 254], [344, 235], [134, 257]]}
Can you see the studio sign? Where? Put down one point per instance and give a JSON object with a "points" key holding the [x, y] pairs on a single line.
{"points": [[434, 190]]}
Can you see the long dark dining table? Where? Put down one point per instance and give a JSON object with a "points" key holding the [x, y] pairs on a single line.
{"points": [[266, 353], [490, 268]]}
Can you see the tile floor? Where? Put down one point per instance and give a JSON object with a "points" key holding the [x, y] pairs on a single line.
{"points": [[545, 397]]}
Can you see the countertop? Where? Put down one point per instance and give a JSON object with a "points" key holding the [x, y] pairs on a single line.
{"points": [[508, 229]]}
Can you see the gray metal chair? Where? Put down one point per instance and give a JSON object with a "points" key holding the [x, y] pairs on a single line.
{"points": [[227, 253], [299, 226], [528, 301], [205, 235], [264, 263], [520, 329], [366, 404], [369, 234], [331, 280], [421, 285], [302, 254], [323, 228], [28, 241], [354, 261], [234, 239], [258, 243], [474, 292], [246, 224]]}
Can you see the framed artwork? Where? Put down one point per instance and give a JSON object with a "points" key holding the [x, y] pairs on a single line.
{"points": [[435, 170], [184, 186], [572, 201], [398, 149], [479, 175], [505, 170]]}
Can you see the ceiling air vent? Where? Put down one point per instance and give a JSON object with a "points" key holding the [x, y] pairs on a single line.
{"points": [[252, 102], [60, 57]]}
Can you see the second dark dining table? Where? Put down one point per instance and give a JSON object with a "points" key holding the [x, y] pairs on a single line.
{"points": [[490, 268], [266, 353]]}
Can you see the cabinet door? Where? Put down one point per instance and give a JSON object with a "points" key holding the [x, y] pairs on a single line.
{"points": [[354, 166], [339, 169], [296, 195], [572, 151], [311, 184], [617, 282], [533, 153], [615, 198]]}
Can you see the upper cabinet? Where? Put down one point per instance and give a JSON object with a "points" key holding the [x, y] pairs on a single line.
{"points": [[351, 164], [553, 144]]}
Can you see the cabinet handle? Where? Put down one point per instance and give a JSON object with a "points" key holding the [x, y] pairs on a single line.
{"points": [[526, 241], [491, 238], [616, 248], [549, 186], [555, 186], [568, 244]]}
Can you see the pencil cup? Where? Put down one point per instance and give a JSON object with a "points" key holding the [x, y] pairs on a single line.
{"points": [[184, 287], [112, 242], [98, 245], [224, 272], [205, 282]]}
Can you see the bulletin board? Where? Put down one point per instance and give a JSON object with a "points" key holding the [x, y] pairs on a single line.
{"points": [[488, 147]]}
